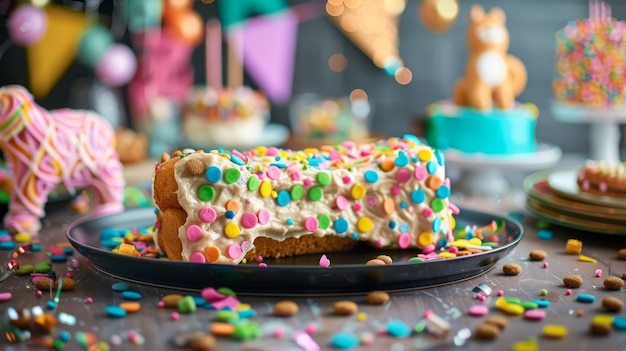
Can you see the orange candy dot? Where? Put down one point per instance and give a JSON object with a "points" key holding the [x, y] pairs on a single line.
{"points": [[212, 254], [222, 329], [130, 307], [387, 165], [434, 182], [233, 205], [389, 206]]}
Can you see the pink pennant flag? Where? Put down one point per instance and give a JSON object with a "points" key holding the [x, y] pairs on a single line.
{"points": [[269, 44]]}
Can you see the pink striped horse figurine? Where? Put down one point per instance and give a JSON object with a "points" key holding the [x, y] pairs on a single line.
{"points": [[45, 149]]}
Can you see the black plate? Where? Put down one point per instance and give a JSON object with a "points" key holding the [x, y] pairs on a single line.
{"points": [[299, 275]]}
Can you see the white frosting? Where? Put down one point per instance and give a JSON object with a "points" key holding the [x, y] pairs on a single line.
{"points": [[406, 218], [492, 68]]}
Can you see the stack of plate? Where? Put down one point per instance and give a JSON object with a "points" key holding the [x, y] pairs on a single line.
{"points": [[553, 196]]}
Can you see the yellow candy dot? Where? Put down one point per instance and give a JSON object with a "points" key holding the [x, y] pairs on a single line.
{"points": [[274, 194], [514, 309], [501, 304], [452, 223], [425, 239], [525, 346], [602, 319], [555, 331], [361, 316], [358, 191], [22, 237], [364, 224], [475, 241], [424, 155], [266, 188], [460, 243], [446, 254], [243, 307], [232, 230]]}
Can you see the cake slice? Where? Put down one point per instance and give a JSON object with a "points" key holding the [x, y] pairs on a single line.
{"points": [[223, 206], [603, 178]]}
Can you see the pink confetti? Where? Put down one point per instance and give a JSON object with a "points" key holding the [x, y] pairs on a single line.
{"points": [[598, 273], [324, 261], [227, 301], [249, 220], [545, 265], [175, 316], [305, 341], [211, 295], [500, 292], [568, 292], [311, 328]]}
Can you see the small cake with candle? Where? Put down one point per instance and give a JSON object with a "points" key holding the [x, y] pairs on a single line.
{"points": [[603, 178], [590, 60], [222, 207], [225, 117], [318, 121], [483, 116]]}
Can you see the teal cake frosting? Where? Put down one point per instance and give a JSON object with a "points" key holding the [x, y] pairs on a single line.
{"points": [[492, 132]]}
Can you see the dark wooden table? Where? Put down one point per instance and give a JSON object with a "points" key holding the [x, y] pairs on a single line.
{"points": [[451, 302]]}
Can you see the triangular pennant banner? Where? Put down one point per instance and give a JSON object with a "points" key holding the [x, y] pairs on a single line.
{"points": [[269, 45], [373, 27], [49, 58]]}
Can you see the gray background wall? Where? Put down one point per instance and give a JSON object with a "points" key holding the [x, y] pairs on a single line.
{"points": [[436, 60]]}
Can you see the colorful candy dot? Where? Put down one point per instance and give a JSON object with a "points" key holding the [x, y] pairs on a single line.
{"points": [[249, 220], [213, 174], [418, 196], [197, 257], [371, 176], [231, 175], [193, 233], [358, 191], [206, 192], [341, 225], [263, 215], [296, 192], [316, 193], [324, 221], [323, 178], [232, 230], [253, 183], [311, 224], [207, 214], [364, 224]]}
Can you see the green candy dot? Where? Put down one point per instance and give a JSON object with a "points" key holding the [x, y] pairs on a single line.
{"points": [[316, 193], [231, 175], [437, 205], [187, 304], [253, 183], [323, 221], [226, 291], [25, 269], [43, 267], [246, 330], [296, 192], [206, 192], [323, 178]]}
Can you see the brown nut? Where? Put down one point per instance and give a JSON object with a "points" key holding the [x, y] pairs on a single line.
{"points": [[385, 258], [377, 298], [285, 308], [537, 255], [171, 300], [512, 269], [573, 281], [612, 303], [345, 308], [613, 283]]}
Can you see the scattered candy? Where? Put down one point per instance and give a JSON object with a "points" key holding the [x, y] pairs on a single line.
{"points": [[344, 341], [573, 247], [584, 258], [478, 310], [554, 331], [598, 273], [115, 311], [586, 298], [120, 287]]}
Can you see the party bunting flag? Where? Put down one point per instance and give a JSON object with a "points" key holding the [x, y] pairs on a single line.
{"points": [[269, 45], [50, 57], [236, 12], [373, 27]]}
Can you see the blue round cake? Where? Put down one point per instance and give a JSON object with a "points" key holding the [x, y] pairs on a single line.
{"points": [[491, 132]]}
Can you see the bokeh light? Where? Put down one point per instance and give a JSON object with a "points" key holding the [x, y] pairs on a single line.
{"points": [[338, 62]]}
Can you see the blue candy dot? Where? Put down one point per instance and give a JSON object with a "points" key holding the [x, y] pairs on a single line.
{"points": [[65, 336], [398, 328], [403, 205], [418, 196], [442, 243], [229, 214], [371, 176], [120, 286], [341, 225], [115, 311], [441, 158], [131, 295], [436, 224], [58, 258], [402, 159], [588, 298], [355, 236], [619, 323], [443, 192], [213, 174], [289, 221], [545, 234], [393, 225], [431, 167], [542, 303], [236, 160], [404, 228], [283, 198], [344, 341], [7, 245]]}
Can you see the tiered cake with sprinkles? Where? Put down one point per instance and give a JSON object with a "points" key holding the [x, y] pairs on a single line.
{"points": [[590, 60], [223, 206]]}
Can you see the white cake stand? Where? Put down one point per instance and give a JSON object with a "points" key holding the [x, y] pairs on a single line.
{"points": [[604, 133], [483, 174]]}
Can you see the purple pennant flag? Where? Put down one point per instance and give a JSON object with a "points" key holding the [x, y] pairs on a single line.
{"points": [[269, 44]]}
